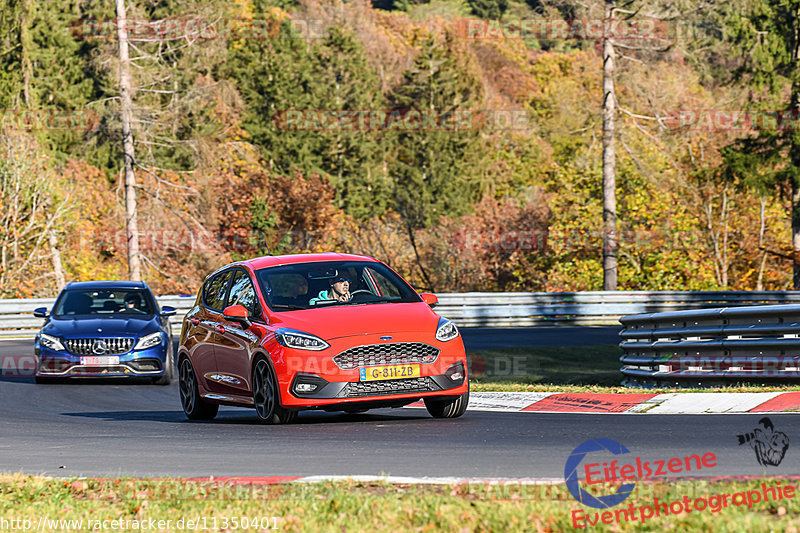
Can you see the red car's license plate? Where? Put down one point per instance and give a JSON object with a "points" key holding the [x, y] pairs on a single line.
{"points": [[377, 373]]}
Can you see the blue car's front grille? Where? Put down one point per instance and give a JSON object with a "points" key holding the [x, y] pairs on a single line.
{"points": [[110, 346]]}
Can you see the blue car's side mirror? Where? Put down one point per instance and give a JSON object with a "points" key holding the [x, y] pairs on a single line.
{"points": [[168, 310], [40, 312]]}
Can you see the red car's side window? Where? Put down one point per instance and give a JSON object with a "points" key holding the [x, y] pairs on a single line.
{"points": [[216, 290], [243, 293]]}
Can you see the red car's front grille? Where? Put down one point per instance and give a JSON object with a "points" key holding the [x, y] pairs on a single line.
{"points": [[395, 386], [386, 354]]}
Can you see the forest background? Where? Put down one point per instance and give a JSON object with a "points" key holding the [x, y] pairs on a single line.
{"points": [[248, 141]]}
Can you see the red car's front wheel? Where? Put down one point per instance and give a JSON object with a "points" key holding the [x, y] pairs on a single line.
{"points": [[266, 397], [452, 408]]}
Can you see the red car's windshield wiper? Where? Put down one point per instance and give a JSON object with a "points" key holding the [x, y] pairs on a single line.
{"points": [[286, 306]]}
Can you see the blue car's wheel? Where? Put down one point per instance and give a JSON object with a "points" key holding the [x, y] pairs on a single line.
{"points": [[166, 377]]}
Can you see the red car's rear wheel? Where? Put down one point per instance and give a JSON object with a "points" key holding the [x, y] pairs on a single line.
{"points": [[193, 405]]}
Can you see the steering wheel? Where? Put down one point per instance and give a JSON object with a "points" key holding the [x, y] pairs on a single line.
{"points": [[361, 295]]}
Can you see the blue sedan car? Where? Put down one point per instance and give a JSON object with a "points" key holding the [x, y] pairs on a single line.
{"points": [[105, 329]]}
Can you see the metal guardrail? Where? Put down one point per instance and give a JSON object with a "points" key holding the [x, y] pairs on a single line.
{"points": [[17, 320], [587, 308], [489, 309], [725, 345]]}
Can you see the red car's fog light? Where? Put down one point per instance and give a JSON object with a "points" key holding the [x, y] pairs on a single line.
{"points": [[456, 371], [307, 384]]}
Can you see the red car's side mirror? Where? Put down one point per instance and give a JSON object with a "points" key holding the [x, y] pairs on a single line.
{"points": [[429, 298], [237, 313]]}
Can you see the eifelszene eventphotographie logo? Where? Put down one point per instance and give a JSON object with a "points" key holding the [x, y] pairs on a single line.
{"points": [[571, 474], [619, 470]]}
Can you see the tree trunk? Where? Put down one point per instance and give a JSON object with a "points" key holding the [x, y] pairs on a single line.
{"points": [[55, 256], [795, 156], [25, 42], [609, 171], [131, 222], [763, 218], [413, 240]]}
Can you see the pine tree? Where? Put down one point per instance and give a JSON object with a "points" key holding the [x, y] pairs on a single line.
{"points": [[434, 168], [766, 33], [488, 9], [275, 76], [353, 158]]}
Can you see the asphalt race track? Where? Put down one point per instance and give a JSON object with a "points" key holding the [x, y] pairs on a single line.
{"points": [[136, 429]]}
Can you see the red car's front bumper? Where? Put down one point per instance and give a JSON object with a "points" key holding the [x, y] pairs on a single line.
{"points": [[367, 369]]}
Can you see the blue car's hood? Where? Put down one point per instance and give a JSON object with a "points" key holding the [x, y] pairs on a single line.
{"points": [[71, 328]]}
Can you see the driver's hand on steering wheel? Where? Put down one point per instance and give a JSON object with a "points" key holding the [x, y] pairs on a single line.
{"points": [[344, 297]]}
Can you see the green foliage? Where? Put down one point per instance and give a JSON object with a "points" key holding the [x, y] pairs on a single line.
{"points": [[269, 88], [266, 238], [352, 159], [11, 19], [488, 9], [765, 32], [215, 107], [333, 75], [435, 167], [397, 5]]}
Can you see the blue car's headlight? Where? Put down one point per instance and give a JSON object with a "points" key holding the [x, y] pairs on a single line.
{"points": [[446, 330], [48, 341], [299, 339], [148, 341]]}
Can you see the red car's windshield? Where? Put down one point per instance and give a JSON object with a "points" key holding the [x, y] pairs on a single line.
{"points": [[330, 283]]}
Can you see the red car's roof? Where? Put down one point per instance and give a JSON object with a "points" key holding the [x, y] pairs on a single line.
{"points": [[275, 260]]}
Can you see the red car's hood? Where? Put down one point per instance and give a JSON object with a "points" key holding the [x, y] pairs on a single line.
{"points": [[345, 321]]}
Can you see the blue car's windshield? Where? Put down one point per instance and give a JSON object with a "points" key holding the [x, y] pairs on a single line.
{"points": [[311, 285], [104, 303]]}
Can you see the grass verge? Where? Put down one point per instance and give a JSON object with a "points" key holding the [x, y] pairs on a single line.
{"points": [[570, 369], [357, 506]]}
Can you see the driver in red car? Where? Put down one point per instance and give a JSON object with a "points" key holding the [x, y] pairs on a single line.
{"points": [[339, 291]]}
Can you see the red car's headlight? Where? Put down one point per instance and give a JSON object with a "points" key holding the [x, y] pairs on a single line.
{"points": [[292, 338], [446, 330]]}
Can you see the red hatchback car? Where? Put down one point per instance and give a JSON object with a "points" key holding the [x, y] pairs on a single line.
{"points": [[317, 331]]}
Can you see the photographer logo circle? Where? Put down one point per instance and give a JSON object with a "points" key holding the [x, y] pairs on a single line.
{"points": [[571, 474]]}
